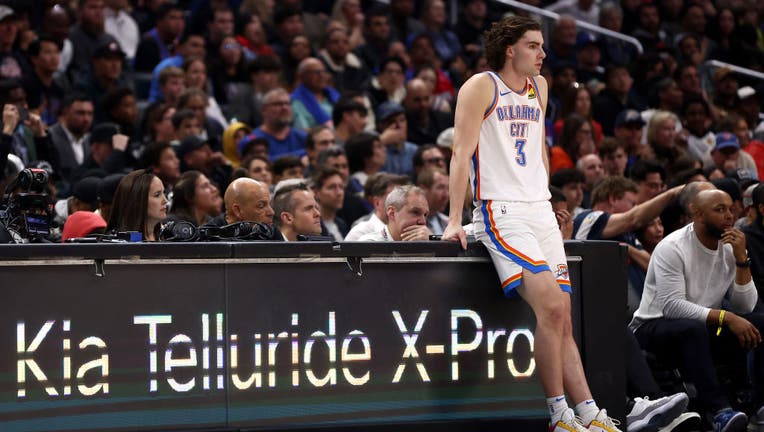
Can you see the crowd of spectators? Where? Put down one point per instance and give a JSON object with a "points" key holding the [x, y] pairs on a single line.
{"points": [[335, 118], [205, 92]]}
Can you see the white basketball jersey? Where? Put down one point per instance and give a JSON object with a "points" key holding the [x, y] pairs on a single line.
{"points": [[507, 164]]}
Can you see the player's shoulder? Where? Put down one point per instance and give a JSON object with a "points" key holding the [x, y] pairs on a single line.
{"points": [[541, 82], [477, 89], [480, 81]]}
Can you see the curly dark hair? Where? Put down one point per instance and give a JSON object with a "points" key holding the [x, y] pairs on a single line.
{"points": [[503, 34]]}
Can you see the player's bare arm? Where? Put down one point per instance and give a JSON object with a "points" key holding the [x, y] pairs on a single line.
{"points": [[543, 94], [474, 98]]}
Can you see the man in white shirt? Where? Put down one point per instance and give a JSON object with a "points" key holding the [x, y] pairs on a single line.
{"points": [[118, 23], [434, 183], [694, 274], [377, 187], [407, 209]]}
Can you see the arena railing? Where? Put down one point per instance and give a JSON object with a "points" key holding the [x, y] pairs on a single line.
{"points": [[579, 24]]}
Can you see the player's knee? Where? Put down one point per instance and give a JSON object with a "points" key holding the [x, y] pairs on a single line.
{"points": [[554, 314]]}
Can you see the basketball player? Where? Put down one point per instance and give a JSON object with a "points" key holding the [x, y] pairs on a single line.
{"points": [[499, 141]]}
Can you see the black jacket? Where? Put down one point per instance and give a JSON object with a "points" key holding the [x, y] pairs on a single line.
{"points": [[754, 242]]}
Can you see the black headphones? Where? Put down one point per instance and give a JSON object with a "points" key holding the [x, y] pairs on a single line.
{"points": [[183, 231]]}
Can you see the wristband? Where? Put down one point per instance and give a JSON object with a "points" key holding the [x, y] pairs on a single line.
{"points": [[721, 322]]}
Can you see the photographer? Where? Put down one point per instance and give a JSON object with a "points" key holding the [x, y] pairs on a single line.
{"points": [[30, 141]]}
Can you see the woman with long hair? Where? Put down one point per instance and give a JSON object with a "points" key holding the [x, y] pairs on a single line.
{"points": [[195, 199], [139, 205], [158, 125], [258, 168], [228, 70], [576, 140], [297, 50], [577, 99], [196, 78], [662, 138], [252, 36]]}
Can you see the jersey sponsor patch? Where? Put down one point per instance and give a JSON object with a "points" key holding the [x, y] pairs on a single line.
{"points": [[531, 92]]}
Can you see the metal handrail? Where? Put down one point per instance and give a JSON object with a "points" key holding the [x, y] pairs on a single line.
{"points": [[734, 68], [581, 24]]}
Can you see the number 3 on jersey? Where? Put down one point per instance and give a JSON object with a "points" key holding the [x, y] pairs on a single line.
{"points": [[520, 158]]}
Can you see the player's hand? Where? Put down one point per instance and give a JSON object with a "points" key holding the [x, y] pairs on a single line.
{"points": [[455, 232], [736, 238], [119, 142], [416, 233], [747, 334]]}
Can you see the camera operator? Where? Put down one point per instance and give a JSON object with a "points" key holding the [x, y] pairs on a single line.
{"points": [[26, 209]]}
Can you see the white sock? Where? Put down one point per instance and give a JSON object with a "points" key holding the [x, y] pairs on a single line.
{"points": [[587, 410], [557, 405]]}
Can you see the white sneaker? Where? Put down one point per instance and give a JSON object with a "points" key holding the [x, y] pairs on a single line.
{"points": [[650, 415], [603, 423], [569, 422]]}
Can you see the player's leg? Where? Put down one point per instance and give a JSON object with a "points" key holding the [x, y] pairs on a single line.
{"points": [[573, 370], [504, 229], [544, 226], [548, 304]]}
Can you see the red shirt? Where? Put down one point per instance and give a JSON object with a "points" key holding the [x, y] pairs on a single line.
{"points": [[756, 150]]}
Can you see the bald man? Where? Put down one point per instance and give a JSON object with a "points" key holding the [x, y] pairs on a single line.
{"points": [[312, 100], [688, 196], [681, 318], [248, 200], [425, 123]]}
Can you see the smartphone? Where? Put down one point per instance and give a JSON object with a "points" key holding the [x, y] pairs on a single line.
{"points": [[23, 114]]}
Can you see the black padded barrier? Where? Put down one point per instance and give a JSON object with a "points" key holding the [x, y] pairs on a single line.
{"points": [[277, 336]]}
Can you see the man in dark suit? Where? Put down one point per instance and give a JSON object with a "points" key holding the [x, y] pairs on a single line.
{"points": [[70, 134], [329, 187]]}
